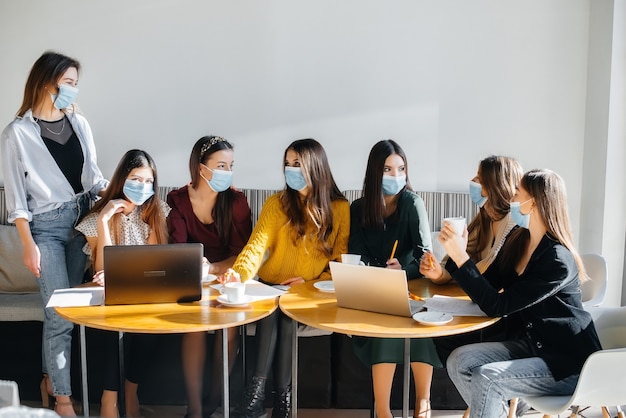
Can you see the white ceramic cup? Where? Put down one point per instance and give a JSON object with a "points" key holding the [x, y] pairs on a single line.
{"points": [[457, 223], [350, 258], [205, 269], [234, 291]]}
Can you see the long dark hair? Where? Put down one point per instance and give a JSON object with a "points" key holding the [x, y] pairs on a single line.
{"points": [[222, 211], [548, 190], [322, 191], [152, 213], [45, 71], [499, 177], [373, 202]]}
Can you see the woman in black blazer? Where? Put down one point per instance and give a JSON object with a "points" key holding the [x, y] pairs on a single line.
{"points": [[535, 283]]}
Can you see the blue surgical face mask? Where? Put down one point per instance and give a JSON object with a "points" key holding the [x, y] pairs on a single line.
{"points": [[475, 192], [392, 184], [67, 96], [220, 181], [295, 178], [138, 192], [517, 216]]}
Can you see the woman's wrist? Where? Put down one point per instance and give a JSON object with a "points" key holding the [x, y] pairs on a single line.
{"points": [[460, 259], [444, 277]]}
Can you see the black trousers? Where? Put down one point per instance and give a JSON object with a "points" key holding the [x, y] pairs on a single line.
{"points": [[274, 334], [139, 351]]}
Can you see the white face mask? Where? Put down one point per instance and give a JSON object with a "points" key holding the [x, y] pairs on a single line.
{"points": [[521, 219], [66, 96], [475, 192], [294, 178], [392, 184], [138, 192], [220, 181]]}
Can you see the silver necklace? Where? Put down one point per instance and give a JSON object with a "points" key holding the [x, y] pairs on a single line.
{"points": [[50, 130]]}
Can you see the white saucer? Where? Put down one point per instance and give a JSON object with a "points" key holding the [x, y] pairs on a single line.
{"points": [[433, 318], [325, 286], [209, 278], [224, 301]]}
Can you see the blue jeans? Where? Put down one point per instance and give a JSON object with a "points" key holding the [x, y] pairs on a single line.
{"points": [[488, 375], [62, 266]]}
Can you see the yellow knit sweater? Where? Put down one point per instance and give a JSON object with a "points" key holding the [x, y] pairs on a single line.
{"points": [[284, 260]]}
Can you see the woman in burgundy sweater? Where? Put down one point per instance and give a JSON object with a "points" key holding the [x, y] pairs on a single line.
{"points": [[209, 211]]}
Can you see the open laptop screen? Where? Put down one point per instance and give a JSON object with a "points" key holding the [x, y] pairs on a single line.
{"points": [[152, 273]]}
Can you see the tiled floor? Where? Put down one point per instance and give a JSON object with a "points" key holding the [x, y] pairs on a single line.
{"points": [[169, 411], [178, 412]]}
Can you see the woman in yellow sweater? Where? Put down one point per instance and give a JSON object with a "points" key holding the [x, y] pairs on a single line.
{"points": [[301, 228]]}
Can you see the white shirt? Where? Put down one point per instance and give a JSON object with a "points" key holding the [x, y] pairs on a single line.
{"points": [[33, 181]]}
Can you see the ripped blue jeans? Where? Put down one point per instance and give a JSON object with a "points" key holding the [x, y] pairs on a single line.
{"points": [[62, 266]]}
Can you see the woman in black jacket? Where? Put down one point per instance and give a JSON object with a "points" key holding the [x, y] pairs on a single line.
{"points": [[535, 283]]}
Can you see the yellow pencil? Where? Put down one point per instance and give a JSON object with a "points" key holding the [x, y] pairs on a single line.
{"points": [[393, 250]]}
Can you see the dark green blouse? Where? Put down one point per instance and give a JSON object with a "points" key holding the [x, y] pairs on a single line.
{"points": [[409, 225]]}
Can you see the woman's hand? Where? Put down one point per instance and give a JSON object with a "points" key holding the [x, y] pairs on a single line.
{"points": [[454, 244], [230, 276], [114, 206], [292, 281], [394, 264], [31, 257], [429, 267], [98, 278]]}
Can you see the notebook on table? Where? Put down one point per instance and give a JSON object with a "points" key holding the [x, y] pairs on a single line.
{"points": [[163, 273], [374, 289]]}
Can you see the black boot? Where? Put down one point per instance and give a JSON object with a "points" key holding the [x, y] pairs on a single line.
{"points": [[282, 403], [251, 405]]}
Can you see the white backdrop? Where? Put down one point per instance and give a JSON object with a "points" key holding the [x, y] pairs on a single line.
{"points": [[451, 80]]}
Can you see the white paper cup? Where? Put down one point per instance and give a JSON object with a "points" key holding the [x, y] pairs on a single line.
{"points": [[234, 291], [457, 223], [350, 258]]}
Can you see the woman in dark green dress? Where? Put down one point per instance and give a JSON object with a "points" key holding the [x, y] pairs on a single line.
{"points": [[390, 210]]}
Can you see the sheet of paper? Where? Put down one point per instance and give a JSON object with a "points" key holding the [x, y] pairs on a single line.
{"points": [[77, 296], [454, 306], [257, 290]]}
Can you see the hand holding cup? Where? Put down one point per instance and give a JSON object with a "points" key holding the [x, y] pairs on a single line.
{"points": [[457, 223], [453, 237]]}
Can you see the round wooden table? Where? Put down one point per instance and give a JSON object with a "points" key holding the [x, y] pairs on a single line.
{"points": [[166, 318], [305, 304]]}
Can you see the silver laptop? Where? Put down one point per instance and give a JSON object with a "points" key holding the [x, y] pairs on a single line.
{"points": [[152, 273], [374, 289]]}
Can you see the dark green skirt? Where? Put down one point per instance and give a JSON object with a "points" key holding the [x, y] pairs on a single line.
{"points": [[391, 350]]}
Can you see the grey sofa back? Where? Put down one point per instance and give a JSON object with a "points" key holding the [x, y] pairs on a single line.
{"points": [[438, 204]]}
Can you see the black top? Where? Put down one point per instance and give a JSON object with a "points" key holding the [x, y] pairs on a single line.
{"points": [[69, 157], [545, 300]]}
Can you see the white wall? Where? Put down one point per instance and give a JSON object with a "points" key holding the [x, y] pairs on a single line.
{"points": [[451, 80]]}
